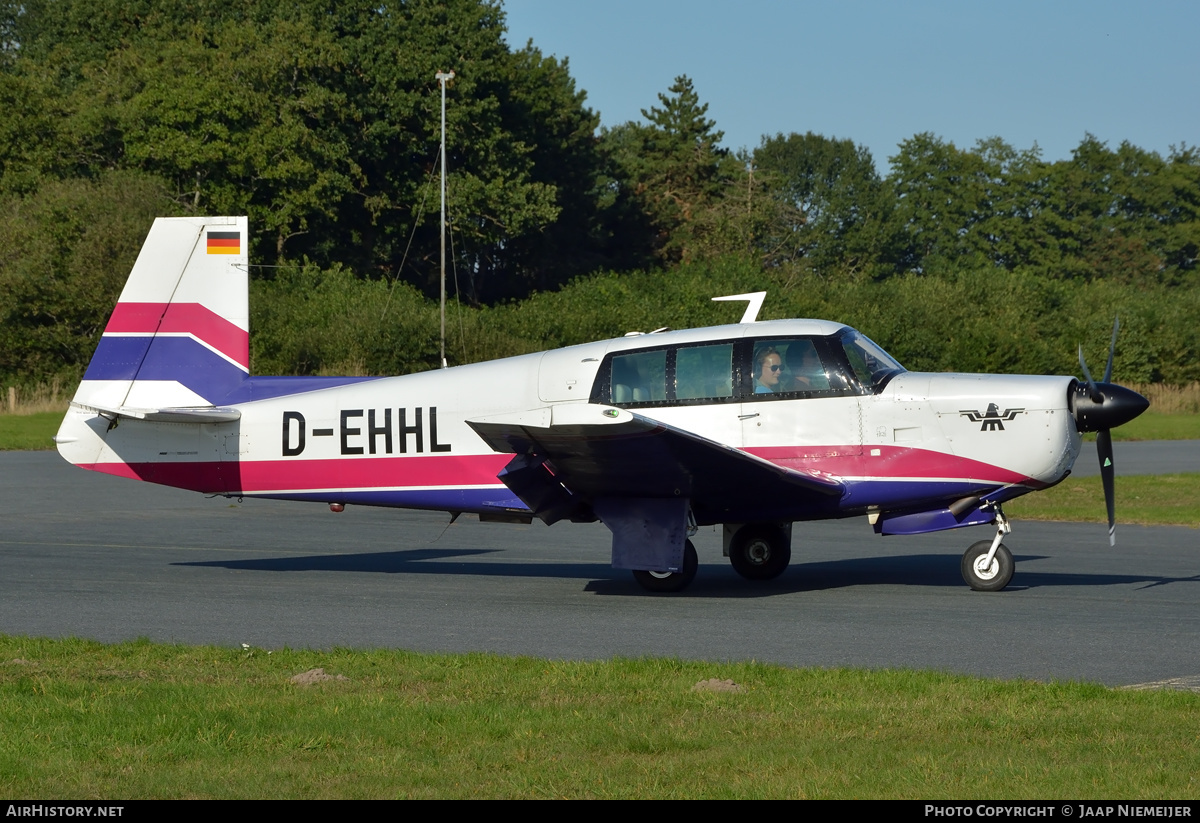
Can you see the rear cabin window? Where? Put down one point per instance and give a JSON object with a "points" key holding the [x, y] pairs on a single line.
{"points": [[675, 375], [703, 372], [639, 377]]}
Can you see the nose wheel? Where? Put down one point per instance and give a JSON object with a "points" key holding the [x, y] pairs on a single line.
{"points": [[988, 565], [985, 571]]}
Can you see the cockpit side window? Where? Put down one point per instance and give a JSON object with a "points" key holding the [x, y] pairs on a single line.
{"points": [[795, 368]]}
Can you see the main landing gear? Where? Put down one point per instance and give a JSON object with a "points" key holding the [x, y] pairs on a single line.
{"points": [[757, 551], [760, 551], [670, 581], [988, 565]]}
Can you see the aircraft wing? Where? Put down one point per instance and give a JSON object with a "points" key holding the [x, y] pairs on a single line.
{"points": [[593, 452]]}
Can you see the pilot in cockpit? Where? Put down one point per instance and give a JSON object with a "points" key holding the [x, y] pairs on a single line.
{"points": [[807, 373], [767, 366]]}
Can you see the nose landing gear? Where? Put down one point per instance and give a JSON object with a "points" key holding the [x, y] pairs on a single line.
{"points": [[988, 565]]}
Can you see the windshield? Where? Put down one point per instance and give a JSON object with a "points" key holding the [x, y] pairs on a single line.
{"points": [[872, 365]]}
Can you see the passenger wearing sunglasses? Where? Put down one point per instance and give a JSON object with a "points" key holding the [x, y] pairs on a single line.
{"points": [[767, 366]]}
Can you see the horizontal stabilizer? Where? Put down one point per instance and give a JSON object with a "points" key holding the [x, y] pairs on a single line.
{"points": [[202, 414]]}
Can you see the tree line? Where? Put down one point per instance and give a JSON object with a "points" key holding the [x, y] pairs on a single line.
{"points": [[320, 121]]}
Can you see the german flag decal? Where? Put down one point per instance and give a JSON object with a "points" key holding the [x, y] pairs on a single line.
{"points": [[224, 242]]}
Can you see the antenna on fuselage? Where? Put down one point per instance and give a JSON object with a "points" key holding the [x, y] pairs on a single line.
{"points": [[754, 301], [442, 78]]}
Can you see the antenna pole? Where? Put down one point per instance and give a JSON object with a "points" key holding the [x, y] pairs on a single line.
{"points": [[442, 78], [754, 301]]}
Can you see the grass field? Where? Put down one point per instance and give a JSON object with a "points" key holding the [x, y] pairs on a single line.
{"points": [[83, 720], [1148, 500], [1151, 426], [29, 432]]}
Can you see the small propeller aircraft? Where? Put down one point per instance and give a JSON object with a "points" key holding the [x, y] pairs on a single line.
{"points": [[753, 425]]}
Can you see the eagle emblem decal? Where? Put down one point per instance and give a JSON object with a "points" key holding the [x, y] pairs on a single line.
{"points": [[992, 419]]}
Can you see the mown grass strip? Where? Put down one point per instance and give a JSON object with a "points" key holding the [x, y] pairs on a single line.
{"points": [[29, 432], [137, 720], [1148, 500], [1151, 426]]}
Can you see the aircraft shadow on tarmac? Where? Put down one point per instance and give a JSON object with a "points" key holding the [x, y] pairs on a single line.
{"points": [[713, 580], [399, 562]]}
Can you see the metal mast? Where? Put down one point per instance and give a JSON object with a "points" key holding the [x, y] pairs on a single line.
{"points": [[442, 78]]}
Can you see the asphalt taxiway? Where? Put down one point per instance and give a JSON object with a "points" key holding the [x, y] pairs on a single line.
{"points": [[100, 557]]}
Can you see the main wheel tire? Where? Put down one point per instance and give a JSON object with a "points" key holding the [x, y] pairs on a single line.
{"points": [[760, 552], [990, 578], [671, 581]]}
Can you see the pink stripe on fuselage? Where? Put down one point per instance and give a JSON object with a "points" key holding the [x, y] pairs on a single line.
{"points": [[187, 318], [450, 471], [892, 461], [256, 476]]}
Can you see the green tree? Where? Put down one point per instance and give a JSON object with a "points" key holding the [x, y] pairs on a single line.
{"points": [[842, 209], [1126, 214], [673, 166], [941, 197], [65, 253], [319, 120]]}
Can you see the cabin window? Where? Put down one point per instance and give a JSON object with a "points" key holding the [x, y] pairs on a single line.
{"points": [[639, 377], [703, 372], [671, 375], [749, 369]]}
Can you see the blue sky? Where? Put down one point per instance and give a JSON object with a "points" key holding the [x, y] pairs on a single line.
{"points": [[879, 72]]}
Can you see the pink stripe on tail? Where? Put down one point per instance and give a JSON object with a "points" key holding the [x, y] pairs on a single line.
{"points": [[185, 318]]}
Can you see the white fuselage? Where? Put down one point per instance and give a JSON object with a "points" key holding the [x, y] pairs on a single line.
{"points": [[404, 441]]}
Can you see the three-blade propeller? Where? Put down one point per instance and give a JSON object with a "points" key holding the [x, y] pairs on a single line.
{"points": [[1100, 407]]}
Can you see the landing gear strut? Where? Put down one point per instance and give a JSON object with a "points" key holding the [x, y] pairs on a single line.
{"points": [[988, 565]]}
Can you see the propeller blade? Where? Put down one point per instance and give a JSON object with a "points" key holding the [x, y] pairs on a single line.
{"points": [[1112, 347], [1093, 392], [1105, 451], [1108, 408]]}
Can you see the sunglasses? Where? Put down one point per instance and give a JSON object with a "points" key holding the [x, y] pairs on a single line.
{"points": [[775, 368]]}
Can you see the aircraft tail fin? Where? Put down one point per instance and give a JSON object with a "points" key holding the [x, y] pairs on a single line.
{"points": [[180, 334]]}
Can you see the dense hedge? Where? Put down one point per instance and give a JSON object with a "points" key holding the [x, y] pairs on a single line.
{"points": [[976, 320]]}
